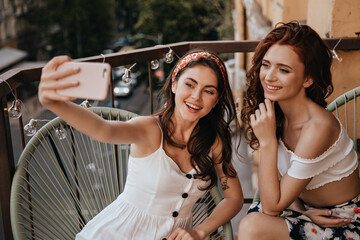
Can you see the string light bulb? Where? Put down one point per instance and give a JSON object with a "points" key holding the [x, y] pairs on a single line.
{"points": [[127, 76], [334, 53], [30, 128], [15, 109], [169, 57], [154, 64], [336, 56], [85, 104], [60, 132]]}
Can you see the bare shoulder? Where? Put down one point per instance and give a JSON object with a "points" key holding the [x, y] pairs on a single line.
{"points": [[150, 133], [318, 135], [146, 125], [144, 120]]}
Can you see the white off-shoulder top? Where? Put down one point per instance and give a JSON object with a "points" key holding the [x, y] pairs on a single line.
{"points": [[337, 162]]}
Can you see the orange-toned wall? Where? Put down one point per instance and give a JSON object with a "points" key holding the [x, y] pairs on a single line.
{"points": [[339, 19], [284, 10]]}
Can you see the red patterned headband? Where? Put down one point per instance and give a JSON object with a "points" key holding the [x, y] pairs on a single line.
{"points": [[185, 61]]}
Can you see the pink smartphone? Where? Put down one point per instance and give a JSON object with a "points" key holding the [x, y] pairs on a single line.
{"points": [[94, 79]]}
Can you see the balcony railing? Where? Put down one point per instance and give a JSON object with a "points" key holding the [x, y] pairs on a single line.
{"points": [[16, 78]]}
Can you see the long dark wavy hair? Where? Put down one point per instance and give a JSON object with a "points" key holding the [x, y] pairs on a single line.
{"points": [[311, 50], [215, 124]]}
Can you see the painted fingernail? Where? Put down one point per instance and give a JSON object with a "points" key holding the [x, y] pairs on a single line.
{"points": [[330, 212]]}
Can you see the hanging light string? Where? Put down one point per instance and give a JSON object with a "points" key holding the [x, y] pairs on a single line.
{"points": [[30, 128], [174, 52], [103, 57], [169, 58], [60, 132], [127, 74], [334, 53], [11, 90], [126, 78], [15, 109], [132, 66], [337, 44]]}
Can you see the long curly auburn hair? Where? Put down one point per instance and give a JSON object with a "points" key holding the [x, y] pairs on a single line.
{"points": [[311, 50], [216, 124]]}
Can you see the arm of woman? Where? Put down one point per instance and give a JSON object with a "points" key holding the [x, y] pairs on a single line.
{"points": [[325, 218], [228, 207], [223, 212], [275, 194], [316, 137], [322, 217], [77, 116]]}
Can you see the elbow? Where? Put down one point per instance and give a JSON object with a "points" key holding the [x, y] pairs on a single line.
{"points": [[235, 204], [239, 204], [270, 211]]}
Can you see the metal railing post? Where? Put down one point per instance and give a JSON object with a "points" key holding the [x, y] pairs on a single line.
{"points": [[6, 170]]}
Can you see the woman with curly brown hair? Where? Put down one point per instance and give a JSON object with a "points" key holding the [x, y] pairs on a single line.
{"points": [[308, 171]]}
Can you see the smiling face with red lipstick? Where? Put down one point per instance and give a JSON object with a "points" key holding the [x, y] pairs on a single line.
{"points": [[282, 74], [196, 92]]}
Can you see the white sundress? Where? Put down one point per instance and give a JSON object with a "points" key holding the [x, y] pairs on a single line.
{"points": [[158, 198]]}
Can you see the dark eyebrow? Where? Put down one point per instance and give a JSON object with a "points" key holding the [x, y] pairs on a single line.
{"points": [[193, 80], [279, 64]]}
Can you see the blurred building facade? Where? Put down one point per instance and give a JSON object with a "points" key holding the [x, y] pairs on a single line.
{"points": [[12, 28], [11, 23]]}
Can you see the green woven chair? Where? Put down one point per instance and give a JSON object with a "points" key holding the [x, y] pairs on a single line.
{"points": [[345, 108], [60, 185]]}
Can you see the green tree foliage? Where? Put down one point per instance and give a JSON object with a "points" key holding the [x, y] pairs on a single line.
{"points": [[78, 28], [185, 20], [178, 21]]}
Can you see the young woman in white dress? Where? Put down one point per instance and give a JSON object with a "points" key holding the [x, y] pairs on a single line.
{"points": [[175, 154], [308, 174]]}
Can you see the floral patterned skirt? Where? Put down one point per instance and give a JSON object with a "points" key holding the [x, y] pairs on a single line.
{"points": [[301, 227]]}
